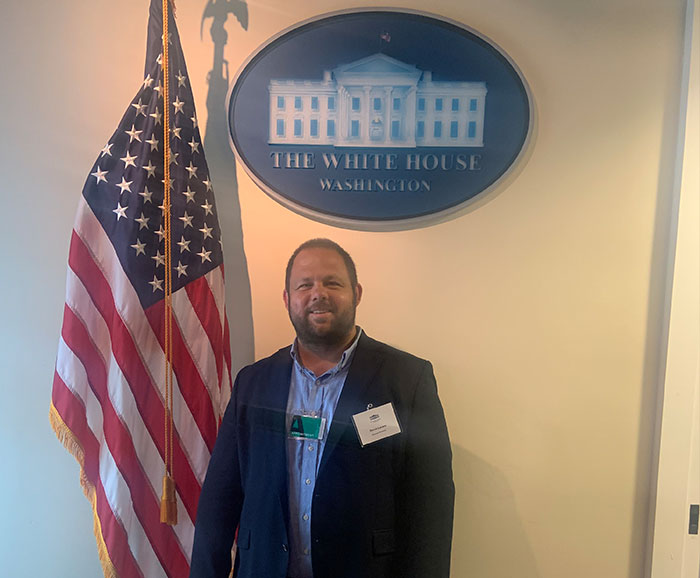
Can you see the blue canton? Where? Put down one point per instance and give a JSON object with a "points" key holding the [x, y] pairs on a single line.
{"points": [[125, 188], [318, 397]]}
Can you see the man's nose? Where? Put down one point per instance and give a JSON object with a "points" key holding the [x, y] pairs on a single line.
{"points": [[319, 291]]}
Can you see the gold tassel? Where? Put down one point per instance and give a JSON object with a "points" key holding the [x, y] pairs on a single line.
{"points": [[168, 502]]}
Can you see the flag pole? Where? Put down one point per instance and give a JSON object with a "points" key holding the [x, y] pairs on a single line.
{"points": [[168, 500]]}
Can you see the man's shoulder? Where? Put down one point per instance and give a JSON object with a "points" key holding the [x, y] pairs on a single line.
{"points": [[278, 360], [389, 352]]}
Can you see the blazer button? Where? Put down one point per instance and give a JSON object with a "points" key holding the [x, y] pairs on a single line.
{"points": [[284, 547]]}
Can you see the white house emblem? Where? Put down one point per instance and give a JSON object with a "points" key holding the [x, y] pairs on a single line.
{"points": [[378, 119]]}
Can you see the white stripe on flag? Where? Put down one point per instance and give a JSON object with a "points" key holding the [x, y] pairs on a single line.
{"points": [[215, 278]]}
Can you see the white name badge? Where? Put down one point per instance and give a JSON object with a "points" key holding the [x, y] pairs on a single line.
{"points": [[376, 424]]}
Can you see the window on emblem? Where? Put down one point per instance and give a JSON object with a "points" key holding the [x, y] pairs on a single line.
{"points": [[297, 127], [471, 130], [377, 104], [437, 131], [297, 102], [314, 103], [455, 104], [280, 102], [438, 104], [421, 104], [313, 127], [355, 128], [472, 104], [420, 129], [280, 127], [395, 129], [397, 104], [356, 103], [330, 128], [331, 103], [453, 129]]}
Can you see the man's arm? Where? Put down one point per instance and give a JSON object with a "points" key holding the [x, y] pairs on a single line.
{"points": [[220, 503], [427, 490]]}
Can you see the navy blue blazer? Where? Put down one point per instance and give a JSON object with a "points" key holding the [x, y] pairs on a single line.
{"points": [[380, 511]]}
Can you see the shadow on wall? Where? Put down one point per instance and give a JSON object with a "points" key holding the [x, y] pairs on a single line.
{"points": [[489, 539], [223, 170]]}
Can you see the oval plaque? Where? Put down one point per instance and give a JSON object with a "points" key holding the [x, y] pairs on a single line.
{"points": [[378, 119]]}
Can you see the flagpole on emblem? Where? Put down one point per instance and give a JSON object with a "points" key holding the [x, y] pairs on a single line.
{"points": [[168, 501], [384, 37]]}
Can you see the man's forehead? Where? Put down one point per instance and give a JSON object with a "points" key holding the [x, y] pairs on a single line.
{"points": [[318, 258]]}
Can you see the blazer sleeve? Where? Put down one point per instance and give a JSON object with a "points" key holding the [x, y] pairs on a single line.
{"points": [[220, 502], [427, 490]]}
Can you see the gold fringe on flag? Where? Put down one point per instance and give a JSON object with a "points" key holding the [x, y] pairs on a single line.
{"points": [[71, 443]]}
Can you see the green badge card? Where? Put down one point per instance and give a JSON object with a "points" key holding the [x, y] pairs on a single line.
{"points": [[307, 427]]}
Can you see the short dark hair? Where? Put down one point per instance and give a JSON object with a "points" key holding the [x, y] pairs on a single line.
{"points": [[321, 243]]}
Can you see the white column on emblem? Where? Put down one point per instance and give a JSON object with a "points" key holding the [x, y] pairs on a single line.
{"points": [[388, 103], [409, 117], [367, 115], [342, 104]]}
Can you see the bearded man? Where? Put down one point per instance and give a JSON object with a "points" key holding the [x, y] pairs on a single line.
{"points": [[333, 458]]}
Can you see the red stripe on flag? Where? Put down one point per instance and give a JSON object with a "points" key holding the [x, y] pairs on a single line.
{"points": [[227, 347], [227, 336], [113, 533], [72, 412], [128, 356], [227, 359], [145, 502], [192, 387], [204, 305]]}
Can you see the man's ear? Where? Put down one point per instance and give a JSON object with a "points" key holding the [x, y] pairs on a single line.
{"points": [[285, 298], [358, 294]]}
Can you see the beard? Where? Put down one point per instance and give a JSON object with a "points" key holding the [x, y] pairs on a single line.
{"points": [[329, 335]]}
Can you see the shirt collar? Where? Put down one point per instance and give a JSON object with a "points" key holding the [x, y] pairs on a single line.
{"points": [[345, 358]]}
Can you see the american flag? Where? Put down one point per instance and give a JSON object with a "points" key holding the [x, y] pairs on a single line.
{"points": [[108, 399]]}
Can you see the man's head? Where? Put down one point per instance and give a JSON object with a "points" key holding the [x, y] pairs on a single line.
{"points": [[321, 243], [321, 293]]}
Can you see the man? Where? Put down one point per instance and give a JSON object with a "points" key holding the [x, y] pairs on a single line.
{"points": [[333, 459]]}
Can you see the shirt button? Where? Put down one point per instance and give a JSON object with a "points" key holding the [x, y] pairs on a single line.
{"points": [[307, 481], [305, 516], [311, 448]]}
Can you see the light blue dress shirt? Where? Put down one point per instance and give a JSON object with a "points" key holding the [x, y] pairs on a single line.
{"points": [[317, 397]]}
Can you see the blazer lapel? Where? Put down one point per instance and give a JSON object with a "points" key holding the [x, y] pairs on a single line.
{"points": [[275, 403], [363, 368]]}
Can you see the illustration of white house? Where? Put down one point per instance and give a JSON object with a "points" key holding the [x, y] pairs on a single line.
{"points": [[377, 101]]}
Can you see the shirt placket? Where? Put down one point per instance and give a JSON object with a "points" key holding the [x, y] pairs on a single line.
{"points": [[310, 459]]}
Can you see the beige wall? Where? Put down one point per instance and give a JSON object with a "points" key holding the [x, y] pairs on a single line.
{"points": [[541, 309]]}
